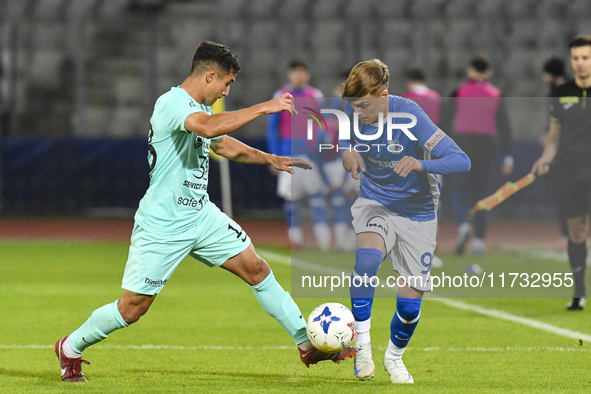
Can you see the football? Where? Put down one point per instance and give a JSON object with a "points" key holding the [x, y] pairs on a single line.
{"points": [[331, 327]]}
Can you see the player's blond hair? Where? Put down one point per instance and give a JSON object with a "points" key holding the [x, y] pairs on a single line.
{"points": [[368, 77]]}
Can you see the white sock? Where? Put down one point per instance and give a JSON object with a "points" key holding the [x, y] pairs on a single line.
{"points": [[394, 351], [341, 236], [362, 332], [305, 345], [464, 228], [296, 235], [323, 236], [68, 351]]}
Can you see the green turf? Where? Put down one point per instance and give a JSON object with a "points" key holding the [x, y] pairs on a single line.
{"points": [[218, 339]]}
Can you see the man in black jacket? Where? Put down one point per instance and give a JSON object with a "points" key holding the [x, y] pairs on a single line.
{"points": [[568, 144]]}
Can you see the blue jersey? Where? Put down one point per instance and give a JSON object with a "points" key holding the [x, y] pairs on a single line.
{"points": [[417, 195]]}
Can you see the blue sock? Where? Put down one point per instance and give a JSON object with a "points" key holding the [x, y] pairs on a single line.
{"points": [[338, 201], [405, 320], [367, 263], [99, 325], [292, 213], [279, 305], [318, 208]]}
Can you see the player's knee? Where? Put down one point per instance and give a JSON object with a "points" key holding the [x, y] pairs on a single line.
{"points": [[578, 230], [131, 312], [577, 235], [368, 261], [134, 313], [257, 270]]}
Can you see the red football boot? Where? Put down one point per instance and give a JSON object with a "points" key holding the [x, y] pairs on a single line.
{"points": [[71, 368], [313, 356]]}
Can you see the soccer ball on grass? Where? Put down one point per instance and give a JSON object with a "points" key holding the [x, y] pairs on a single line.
{"points": [[331, 327]]}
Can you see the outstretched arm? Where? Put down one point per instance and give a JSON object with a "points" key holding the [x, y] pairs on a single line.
{"points": [[235, 150], [452, 159], [210, 126], [551, 144]]}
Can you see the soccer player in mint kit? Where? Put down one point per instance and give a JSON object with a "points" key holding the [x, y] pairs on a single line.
{"points": [[396, 209], [175, 217]]}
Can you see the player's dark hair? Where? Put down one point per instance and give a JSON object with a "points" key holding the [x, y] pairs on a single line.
{"points": [[580, 41], [480, 64], [211, 54], [554, 66], [368, 77], [416, 75], [298, 64]]}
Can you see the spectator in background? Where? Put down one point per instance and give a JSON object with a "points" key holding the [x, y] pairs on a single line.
{"points": [[478, 114], [286, 136], [554, 75], [343, 189], [418, 91]]}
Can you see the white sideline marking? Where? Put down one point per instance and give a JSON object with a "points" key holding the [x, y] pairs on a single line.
{"points": [[292, 348], [504, 349], [516, 319], [534, 252], [277, 257], [455, 304], [158, 347]]}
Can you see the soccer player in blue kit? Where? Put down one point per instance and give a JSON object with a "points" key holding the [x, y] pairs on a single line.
{"points": [[397, 206], [175, 217]]}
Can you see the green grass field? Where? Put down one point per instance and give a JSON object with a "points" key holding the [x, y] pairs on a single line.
{"points": [[207, 333]]}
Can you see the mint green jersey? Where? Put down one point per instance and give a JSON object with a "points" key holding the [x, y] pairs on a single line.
{"points": [[179, 162]]}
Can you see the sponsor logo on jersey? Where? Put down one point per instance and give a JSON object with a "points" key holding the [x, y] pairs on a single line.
{"points": [[192, 104], [382, 163], [434, 140], [569, 99], [567, 106], [395, 147], [198, 142], [157, 282], [191, 202], [195, 185], [378, 222]]}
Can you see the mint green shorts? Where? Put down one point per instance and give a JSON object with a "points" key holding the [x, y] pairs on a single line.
{"points": [[154, 257]]}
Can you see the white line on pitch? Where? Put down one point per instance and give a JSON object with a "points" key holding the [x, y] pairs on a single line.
{"points": [[455, 304], [292, 348], [158, 347], [514, 318], [537, 253]]}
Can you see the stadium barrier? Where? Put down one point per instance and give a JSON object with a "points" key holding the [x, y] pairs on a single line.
{"points": [[72, 176]]}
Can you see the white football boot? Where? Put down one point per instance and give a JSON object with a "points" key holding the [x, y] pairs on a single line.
{"points": [[478, 247], [436, 262], [464, 233], [363, 364], [398, 372]]}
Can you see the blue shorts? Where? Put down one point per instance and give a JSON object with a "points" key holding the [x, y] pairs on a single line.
{"points": [[154, 257]]}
